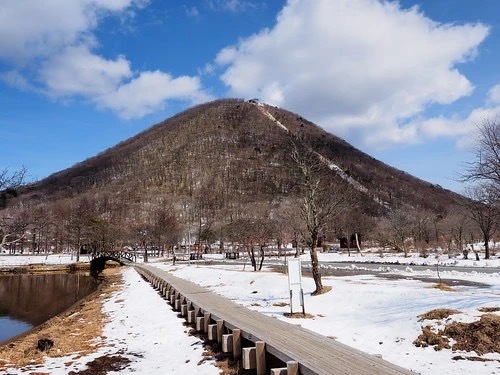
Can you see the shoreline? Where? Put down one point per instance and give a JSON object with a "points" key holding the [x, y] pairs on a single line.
{"points": [[84, 316], [34, 269]]}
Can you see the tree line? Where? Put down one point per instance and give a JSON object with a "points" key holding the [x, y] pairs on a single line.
{"points": [[318, 208]]}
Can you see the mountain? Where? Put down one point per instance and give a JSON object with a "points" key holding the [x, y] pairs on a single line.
{"points": [[241, 150]]}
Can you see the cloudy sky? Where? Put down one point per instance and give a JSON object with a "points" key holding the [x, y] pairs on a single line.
{"points": [[406, 82]]}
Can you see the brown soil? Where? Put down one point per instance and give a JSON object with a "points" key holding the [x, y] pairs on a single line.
{"points": [[482, 336], [73, 331]]}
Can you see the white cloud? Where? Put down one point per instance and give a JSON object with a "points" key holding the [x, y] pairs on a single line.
{"points": [[356, 64], [14, 79], [32, 28], [54, 51], [77, 71], [148, 92], [494, 95]]}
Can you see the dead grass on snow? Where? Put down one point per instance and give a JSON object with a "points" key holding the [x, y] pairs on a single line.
{"points": [[73, 331]]}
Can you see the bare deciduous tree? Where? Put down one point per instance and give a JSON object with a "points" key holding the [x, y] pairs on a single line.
{"points": [[485, 212], [12, 180], [11, 228], [398, 231], [321, 199], [485, 170], [485, 167]]}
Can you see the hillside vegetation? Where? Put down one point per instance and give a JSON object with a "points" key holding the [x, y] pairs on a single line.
{"points": [[217, 172]]}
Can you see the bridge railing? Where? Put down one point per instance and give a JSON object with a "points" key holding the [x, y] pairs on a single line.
{"points": [[117, 254]]}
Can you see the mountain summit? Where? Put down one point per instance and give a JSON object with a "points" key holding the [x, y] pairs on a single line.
{"points": [[236, 149]]}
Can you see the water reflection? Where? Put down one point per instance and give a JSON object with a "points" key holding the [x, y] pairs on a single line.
{"points": [[29, 300], [11, 327]]}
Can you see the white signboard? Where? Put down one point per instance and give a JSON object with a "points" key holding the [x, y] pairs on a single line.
{"points": [[295, 286]]}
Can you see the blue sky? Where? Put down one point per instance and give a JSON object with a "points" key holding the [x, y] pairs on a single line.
{"points": [[407, 82]]}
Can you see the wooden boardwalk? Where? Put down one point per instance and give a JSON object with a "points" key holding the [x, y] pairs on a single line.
{"points": [[315, 354]]}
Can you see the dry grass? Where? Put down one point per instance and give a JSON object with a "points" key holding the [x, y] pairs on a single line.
{"points": [[482, 336], [489, 309], [323, 290], [73, 331], [298, 315], [437, 314], [443, 286], [431, 338]]}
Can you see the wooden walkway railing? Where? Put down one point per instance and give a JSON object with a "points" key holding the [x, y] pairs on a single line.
{"points": [[301, 351]]}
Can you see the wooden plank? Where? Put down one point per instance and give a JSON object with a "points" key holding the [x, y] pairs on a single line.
{"points": [[314, 353]]}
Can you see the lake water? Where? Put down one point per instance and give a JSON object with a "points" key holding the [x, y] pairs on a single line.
{"points": [[29, 300]]}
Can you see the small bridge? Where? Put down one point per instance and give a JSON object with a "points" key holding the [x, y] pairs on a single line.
{"points": [[99, 258], [117, 255]]}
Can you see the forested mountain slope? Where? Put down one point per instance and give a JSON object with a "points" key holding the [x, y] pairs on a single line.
{"points": [[234, 149]]}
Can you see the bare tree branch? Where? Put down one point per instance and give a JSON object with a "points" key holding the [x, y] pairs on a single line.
{"points": [[10, 180]]}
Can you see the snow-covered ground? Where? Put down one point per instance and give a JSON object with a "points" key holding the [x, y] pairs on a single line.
{"points": [[52, 259], [374, 314], [143, 328]]}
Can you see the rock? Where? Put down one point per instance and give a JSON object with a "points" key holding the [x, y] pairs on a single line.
{"points": [[44, 344]]}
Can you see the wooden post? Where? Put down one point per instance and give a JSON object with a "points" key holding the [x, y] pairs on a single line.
{"points": [[260, 357], [227, 343], [200, 324], [292, 368], [206, 322], [184, 309], [220, 330], [236, 343], [248, 358], [191, 317], [279, 371], [212, 332]]}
